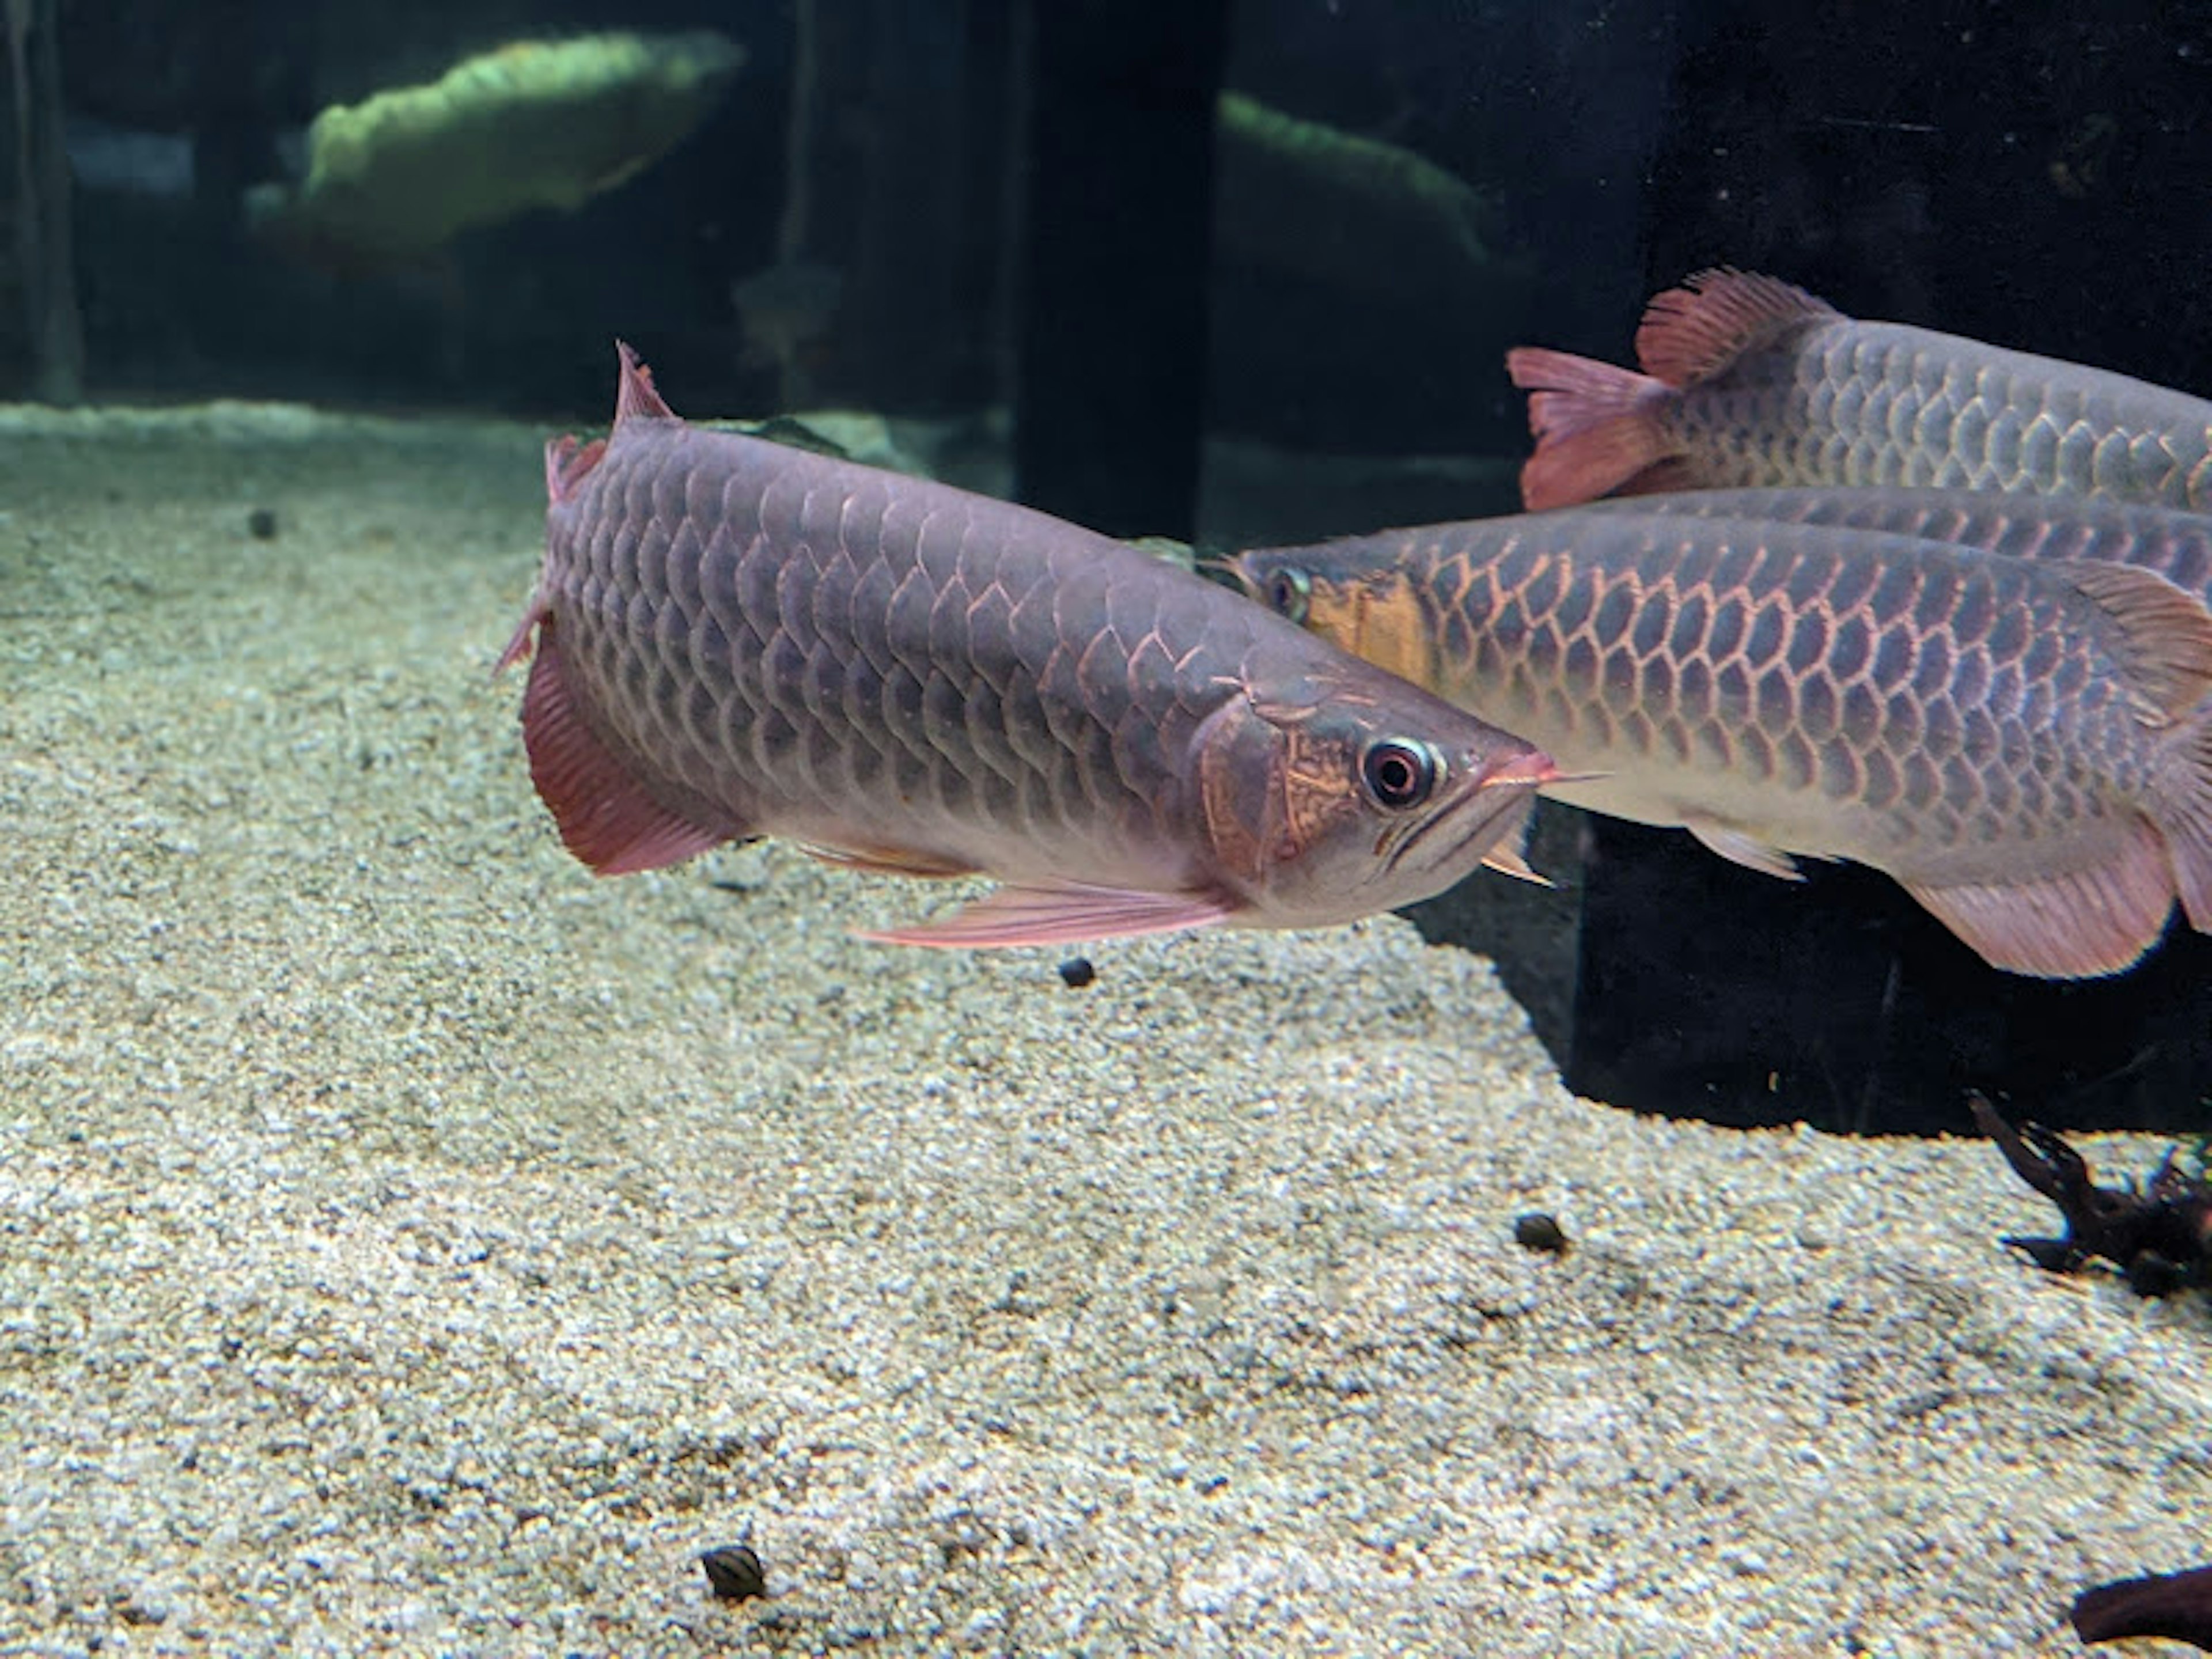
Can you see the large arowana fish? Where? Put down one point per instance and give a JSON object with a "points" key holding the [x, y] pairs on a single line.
{"points": [[1748, 382], [2019, 742], [735, 639]]}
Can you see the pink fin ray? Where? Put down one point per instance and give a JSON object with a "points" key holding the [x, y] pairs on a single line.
{"points": [[1509, 855], [2168, 632], [2182, 809], [518, 643], [1739, 846], [1595, 426], [2167, 661], [635, 396], [1693, 332], [567, 460], [1061, 913], [887, 861], [604, 813], [2081, 924]]}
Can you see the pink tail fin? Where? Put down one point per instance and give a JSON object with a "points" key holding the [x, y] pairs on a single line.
{"points": [[1596, 426]]}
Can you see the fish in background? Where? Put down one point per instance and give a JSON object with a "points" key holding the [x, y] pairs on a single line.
{"points": [[2024, 744], [533, 124], [734, 639], [1747, 380]]}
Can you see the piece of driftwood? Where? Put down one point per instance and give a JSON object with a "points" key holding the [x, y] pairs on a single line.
{"points": [[2177, 1606], [2160, 1237]]}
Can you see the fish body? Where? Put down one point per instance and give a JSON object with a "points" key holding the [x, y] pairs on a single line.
{"points": [[534, 123], [1748, 382], [733, 639], [2018, 742], [2177, 545]]}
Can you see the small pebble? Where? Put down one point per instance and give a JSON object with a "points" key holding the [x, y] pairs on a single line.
{"points": [[1538, 1232], [734, 1573], [1077, 972], [261, 524]]}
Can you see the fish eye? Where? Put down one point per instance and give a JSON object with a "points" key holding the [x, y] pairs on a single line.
{"points": [[1400, 772], [1287, 592]]}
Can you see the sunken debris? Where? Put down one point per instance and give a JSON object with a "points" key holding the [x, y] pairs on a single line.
{"points": [[2177, 1606], [2160, 1237], [734, 1573], [1540, 1232]]}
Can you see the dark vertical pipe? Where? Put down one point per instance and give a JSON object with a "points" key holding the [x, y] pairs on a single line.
{"points": [[56, 333], [1111, 344]]}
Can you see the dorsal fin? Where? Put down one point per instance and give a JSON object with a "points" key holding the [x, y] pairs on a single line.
{"points": [[1694, 331], [2168, 655], [635, 397]]}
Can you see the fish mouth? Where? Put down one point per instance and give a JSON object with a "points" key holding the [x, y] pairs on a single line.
{"points": [[1521, 778]]}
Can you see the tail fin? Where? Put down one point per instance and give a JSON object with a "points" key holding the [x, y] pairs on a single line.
{"points": [[1595, 426]]}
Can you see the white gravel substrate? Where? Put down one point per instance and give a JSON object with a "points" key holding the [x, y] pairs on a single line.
{"points": [[409, 1244]]}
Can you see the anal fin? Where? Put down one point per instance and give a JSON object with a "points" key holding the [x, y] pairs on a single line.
{"points": [[2081, 925]]}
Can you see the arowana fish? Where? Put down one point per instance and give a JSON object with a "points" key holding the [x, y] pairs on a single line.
{"points": [[735, 639], [1747, 380], [2018, 742]]}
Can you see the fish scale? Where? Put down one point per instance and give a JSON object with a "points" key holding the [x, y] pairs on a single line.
{"points": [[736, 639], [2176, 544], [2017, 741]]}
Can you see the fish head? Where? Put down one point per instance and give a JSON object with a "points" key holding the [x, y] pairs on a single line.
{"points": [[1373, 612], [1355, 793]]}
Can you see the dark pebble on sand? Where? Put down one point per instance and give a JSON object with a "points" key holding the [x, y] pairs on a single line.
{"points": [[1538, 1232], [1077, 972], [735, 1573], [261, 524]]}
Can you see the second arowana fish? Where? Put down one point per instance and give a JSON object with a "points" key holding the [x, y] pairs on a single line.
{"points": [[2021, 743], [1749, 381], [735, 639]]}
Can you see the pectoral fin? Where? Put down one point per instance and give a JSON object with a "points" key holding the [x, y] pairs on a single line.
{"points": [[1060, 913], [1749, 851], [885, 861], [1510, 857]]}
